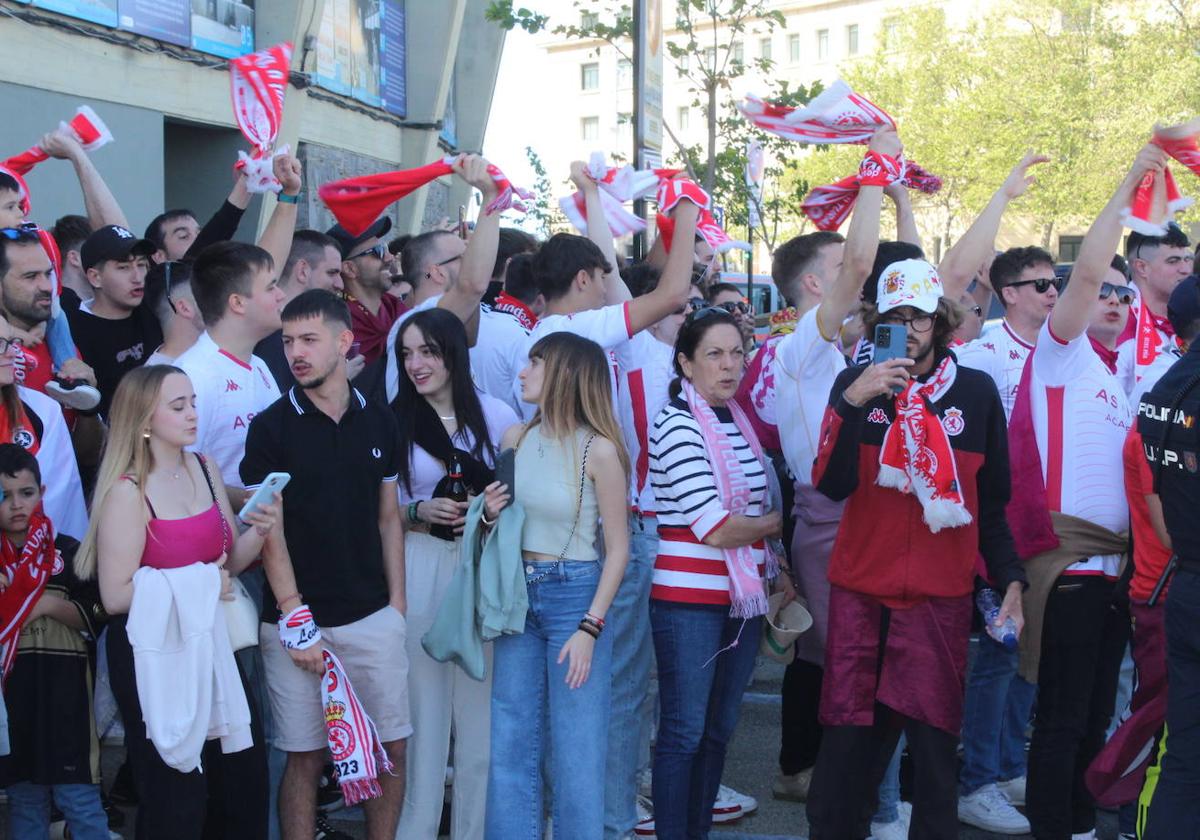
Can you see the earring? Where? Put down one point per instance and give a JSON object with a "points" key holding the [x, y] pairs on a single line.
{"points": [[146, 436]]}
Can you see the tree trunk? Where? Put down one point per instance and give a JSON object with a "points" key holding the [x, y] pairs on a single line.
{"points": [[1047, 229], [710, 170]]}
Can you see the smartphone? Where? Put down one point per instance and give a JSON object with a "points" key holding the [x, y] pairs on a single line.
{"points": [[506, 470], [272, 484], [891, 342]]}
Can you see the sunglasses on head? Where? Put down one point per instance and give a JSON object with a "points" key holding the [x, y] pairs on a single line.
{"points": [[24, 232], [707, 312], [1124, 293], [1040, 284]]}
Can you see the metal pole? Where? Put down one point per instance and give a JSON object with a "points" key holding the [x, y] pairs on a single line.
{"points": [[750, 270], [639, 60]]}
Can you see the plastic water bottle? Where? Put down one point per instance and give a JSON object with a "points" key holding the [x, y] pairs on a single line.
{"points": [[988, 602]]}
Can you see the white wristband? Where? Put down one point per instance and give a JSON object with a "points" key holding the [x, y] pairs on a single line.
{"points": [[297, 630]]}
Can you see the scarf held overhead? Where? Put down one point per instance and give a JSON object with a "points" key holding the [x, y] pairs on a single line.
{"points": [[828, 207], [836, 115], [258, 85], [88, 130], [916, 456], [747, 595], [23, 579], [1157, 198], [357, 202]]}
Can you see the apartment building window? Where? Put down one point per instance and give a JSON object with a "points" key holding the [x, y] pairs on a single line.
{"points": [[683, 118], [589, 129], [764, 49], [685, 62], [624, 73], [710, 58], [822, 44], [891, 34], [589, 76], [794, 49], [739, 52], [587, 20], [852, 39], [1068, 248]]}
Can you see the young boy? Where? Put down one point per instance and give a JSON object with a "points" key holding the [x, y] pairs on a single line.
{"points": [[48, 691]]}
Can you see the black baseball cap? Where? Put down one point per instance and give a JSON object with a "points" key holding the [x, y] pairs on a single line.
{"points": [[348, 243], [113, 242], [1183, 307]]}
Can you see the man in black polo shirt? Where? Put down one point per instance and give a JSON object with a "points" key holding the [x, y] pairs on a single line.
{"points": [[343, 560]]}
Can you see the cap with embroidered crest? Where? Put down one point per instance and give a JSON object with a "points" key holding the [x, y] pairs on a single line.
{"points": [[912, 283]]}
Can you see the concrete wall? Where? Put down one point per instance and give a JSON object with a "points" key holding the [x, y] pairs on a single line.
{"points": [[198, 162]]}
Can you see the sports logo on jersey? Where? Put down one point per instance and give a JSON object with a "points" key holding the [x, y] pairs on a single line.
{"points": [[59, 566], [230, 385], [23, 438], [1014, 355], [375, 451], [877, 415], [952, 421]]}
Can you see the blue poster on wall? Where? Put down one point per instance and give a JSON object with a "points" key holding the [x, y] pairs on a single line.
{"points": [[163, 20], [393, 45], [223, 27], [96, 11]]}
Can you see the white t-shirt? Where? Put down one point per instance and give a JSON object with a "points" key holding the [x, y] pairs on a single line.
{"points": [[391, 367], [229, 393], [158, 357], [63, 501], [608, 326], [1001, 354], [798, 379], [497, 356], [1081, 417], [426, 471], [1127, 370], [646, 367]]}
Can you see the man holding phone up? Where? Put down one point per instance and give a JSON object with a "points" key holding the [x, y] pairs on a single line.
{"points": [[917, 447], [340, 577]]}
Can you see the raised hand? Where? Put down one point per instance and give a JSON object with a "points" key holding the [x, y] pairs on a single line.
{"points": [[1019, 180]]}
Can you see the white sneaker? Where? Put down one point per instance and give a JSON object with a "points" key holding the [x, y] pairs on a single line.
{"points": [[747, 803], [1087, 835], [1014, 790], [80, 396], [895, 830], [988, 809], [726, 810], [645, 823], [645, 781]]}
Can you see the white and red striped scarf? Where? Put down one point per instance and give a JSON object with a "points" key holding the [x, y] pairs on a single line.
{"points": [[358, 754], [23, 579], [916, 456], [836, 115], [1157, 198], [747, 595], [258, 85], [828, 207]]}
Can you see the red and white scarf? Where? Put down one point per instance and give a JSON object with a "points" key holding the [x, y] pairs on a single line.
{"points": [[86, 127], [357, 202], [916, 456], [358, 754], [258, 85], [673, 190], [836, 115], [747, 595], [1148, 339], [516, 308], [828, 207], [23, 579], [618, 185], [1157, 199]]}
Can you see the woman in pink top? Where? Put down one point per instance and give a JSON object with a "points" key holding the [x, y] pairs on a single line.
{"points": [[160, 506]]}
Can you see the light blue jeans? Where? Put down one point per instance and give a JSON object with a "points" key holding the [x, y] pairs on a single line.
{"points": [[534, 710], [889, 789], [29, 811], [628, 622]]}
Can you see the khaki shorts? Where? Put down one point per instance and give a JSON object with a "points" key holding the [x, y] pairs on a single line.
{"points": [[372, 651]]}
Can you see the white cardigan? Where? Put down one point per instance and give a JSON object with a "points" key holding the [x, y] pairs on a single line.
{"points": [[187, 679]]}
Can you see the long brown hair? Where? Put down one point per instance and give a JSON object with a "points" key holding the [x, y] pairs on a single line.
{"points": [[576, 390], [947, 319], [126, 450]]}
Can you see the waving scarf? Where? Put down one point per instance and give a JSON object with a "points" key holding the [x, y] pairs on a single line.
{"points": [[23, 579], [358, 754], [836, 115], [916, 456], [1157, 198], [258, 85], [747, 596], [617, 186], [357, 202], [828, 207]]}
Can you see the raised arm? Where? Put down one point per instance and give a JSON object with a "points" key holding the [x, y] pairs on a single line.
{"points": [[862, 242], [98, 200], [1073, 312], [224, 223], [674, 285], [598, 231], [475, 273], [276, 239], [906, 222], [962, 261]]}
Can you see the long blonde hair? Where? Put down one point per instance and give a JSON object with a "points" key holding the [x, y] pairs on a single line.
{"points": [[576, 390], [126, 450]]}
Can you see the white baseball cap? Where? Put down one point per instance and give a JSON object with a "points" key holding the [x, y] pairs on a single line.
{"points": [[909, 283]]}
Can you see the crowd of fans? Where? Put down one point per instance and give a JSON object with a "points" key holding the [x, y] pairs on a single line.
{"points": [[337, 517]]}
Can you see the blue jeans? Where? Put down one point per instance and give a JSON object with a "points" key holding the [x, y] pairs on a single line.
{"points": [[889, 789], [29, 811], [628, 622], [533, 709], [699, 701], [996, 714]]}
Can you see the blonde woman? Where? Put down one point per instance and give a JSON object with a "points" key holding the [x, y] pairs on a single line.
{"points": [[159, 506], [572, 472]]}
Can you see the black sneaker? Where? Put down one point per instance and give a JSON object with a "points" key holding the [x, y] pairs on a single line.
{"points": [[329, 792], [327, 832], [116, 819]]}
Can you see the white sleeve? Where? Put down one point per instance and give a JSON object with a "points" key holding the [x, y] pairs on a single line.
{"points": [[1057, 362], [608, 326], [802, 348], [60, 473]]}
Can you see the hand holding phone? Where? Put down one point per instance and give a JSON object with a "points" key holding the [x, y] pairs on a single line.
{"points": [[272, 484], [888, 371]]}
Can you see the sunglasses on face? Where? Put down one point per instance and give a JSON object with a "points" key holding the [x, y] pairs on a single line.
{"points": [[1040, 284], [692, 305], [734, 306], [1124, 293], [378, 251]]}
